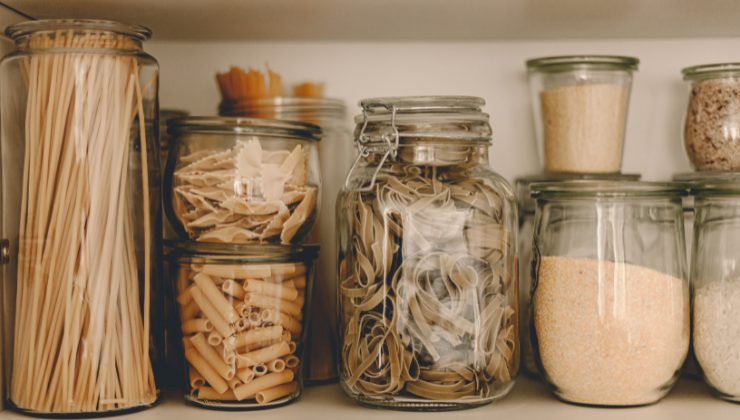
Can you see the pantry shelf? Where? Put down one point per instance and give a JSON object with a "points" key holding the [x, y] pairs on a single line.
{"points": [[528, 400], [406, 20]]}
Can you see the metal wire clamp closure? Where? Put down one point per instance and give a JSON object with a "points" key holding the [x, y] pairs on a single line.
{"points": [[392, 142]]}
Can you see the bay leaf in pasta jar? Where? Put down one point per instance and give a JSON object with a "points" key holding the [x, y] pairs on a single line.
{"points": [[242, 317], [427, 259], [242, 180]]}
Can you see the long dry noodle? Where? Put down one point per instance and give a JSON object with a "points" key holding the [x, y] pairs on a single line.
{"points": [[428, 287], [82, 318]]}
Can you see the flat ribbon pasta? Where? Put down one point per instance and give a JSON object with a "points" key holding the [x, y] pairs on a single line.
{"points": [[428, 287]]}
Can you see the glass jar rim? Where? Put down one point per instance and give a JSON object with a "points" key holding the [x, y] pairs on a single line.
{"points": [[560, 63], [287, 104], [248, 253], [564, 176], [613, 189], [414, 104], [710, 71], [715, 183], [245, 126], [28, 27]]}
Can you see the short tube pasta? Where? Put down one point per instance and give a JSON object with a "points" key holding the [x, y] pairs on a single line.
{"points": [[245, 338]]}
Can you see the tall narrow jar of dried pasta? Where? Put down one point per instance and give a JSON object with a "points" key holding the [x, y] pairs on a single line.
{"points": [[79, 217], [427, 259]]}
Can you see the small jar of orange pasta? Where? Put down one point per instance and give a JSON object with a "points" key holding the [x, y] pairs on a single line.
{"points": [[242, 313]]}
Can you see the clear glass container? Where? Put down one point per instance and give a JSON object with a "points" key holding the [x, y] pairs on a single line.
{"points": [[165, 115], [580, 108], [335, 157], [242, 317], [427, 259], [242, 180], [526, 232], [80, 218], [715, 282], [610, 301], [711, 132]]}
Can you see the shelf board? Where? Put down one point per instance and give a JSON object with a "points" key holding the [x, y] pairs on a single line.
{"points": [[407, 19], [528, 400]]}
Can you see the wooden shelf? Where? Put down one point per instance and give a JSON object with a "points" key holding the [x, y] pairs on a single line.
{"points": [[528, 400], [408, 19]]}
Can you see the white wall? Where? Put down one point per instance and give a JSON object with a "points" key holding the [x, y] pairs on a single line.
{"points": [[493, 70]]}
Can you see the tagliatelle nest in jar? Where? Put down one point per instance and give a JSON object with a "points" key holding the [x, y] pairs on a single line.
{"points": [[428, 288], [244, 194]]}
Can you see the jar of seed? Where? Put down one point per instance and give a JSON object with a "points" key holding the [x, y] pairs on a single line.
{"points": [[427, 259], [711, 132], [610, 302]]}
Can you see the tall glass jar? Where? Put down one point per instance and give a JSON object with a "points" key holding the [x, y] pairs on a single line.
{"points": [[711, 132], [242, 322], [335, 157], [580, 108], [610, 308], [427, 259], [526, 232], [242, 180], [80, 217], [715, 281]]}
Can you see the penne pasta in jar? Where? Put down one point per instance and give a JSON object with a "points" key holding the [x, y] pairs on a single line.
{"points": [[243, 345], [242, 180]]}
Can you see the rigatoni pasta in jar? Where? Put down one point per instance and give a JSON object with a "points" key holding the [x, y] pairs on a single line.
{"points": [[242, 319], [427, 259]]}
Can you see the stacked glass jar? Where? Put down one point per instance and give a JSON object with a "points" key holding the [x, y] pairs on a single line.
{"points": [[427, 259], [242, 194], [610, 298], [711, 137], [335, 156], [580, 106]]}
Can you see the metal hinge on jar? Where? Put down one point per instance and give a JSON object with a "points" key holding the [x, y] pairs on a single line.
{"points": [[391, 140]]}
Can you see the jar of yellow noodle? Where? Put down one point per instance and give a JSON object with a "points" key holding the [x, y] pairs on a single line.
{"points": [[242, 322], [427, 259]]}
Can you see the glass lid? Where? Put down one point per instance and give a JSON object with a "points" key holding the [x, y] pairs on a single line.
{"points": [[246, 126], [595, 188], [593, 62]]}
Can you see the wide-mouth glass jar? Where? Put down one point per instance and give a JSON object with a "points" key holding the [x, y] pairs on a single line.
{"points": [[80, 212], [610, 307], [427, 259], [526, 232], [580, 106], [242, 321], [242, 180], [715, 282], [335, 157], [711, 133]]}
